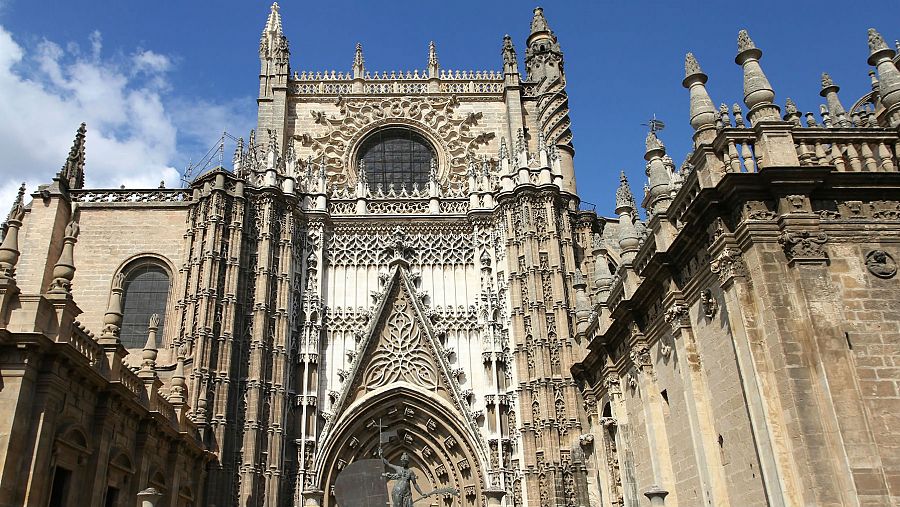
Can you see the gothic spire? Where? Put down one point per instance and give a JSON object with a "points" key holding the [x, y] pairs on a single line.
{"points": [[73, 170], [703, 112], [624, 197], [273, 44]]}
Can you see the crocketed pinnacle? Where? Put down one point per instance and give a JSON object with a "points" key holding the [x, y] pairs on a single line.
{"points": [[510, 60], [876, 41], [826, 81], [73, 169], [881, 57], [359, 63], [273, 23], [624, 197], [703, 112], [433, 66]]}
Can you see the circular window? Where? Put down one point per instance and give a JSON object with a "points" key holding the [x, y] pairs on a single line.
{"points": [[398, 157]]}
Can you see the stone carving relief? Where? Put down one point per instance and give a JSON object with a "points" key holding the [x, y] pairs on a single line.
{"points": [[881, 264], [803, 245], [401, 354], [434, 116], [729, 264]]}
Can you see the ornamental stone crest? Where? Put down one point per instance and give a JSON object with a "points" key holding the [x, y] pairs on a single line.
{"points": [[729, 264], [435, 117], [803, 245]]}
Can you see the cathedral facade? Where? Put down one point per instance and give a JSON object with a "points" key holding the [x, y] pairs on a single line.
{"points": [[399, 262]]}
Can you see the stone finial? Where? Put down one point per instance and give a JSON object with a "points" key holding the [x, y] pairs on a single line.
{"points": [[691, 65], [237, 161], [538, 22], [744, 42], [758, 93], [873, 78], [624, 197], [881, 57], [359, 63], [9, 249], [72, 171], [177, 392], [112, 319], [791, 113], [703, 112], [653, 143], [835, 108], [876, 41], [789, 106], [272, 150], [150, 352], [433, 66], [64, 270]]}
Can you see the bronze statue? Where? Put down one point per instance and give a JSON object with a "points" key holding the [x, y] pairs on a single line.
{"points": [[401, 494]]}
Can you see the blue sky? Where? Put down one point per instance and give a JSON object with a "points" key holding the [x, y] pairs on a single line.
{"points": [[157, 82]]}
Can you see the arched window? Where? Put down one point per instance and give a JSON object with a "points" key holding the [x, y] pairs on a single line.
{"points": [[146, 292], [396, 156]]}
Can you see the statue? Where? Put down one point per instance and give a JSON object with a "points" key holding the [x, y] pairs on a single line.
{"points": [[401, 495]]}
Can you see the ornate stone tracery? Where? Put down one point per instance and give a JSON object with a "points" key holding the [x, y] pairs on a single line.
{"points": [[435, 118]]}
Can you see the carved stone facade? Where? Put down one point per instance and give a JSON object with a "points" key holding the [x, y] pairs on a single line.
{"points": [[737, 347]]}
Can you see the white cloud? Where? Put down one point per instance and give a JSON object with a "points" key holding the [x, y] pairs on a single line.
{"points": [[135, 121]]}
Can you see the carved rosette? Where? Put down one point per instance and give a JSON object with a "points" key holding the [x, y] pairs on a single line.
{"points": [[728, 265], [803, 246]]}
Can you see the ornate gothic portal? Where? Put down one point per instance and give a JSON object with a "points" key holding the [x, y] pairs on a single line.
{"points": [[402, 380]]}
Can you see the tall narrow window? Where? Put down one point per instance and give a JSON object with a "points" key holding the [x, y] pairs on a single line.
{"points": [[398, 157], [146, 291]]}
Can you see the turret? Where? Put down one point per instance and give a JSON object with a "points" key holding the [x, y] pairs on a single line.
{"points": [[659, 175], [629, 239], [544, 66]]}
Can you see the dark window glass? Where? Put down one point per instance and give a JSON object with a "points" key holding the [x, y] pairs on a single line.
{"points": [[398, 156], [146, 291], [60, 488]]}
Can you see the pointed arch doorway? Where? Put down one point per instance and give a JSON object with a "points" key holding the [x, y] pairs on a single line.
{"points": [[441, 452]]}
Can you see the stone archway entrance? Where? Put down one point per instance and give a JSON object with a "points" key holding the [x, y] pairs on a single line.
{"points": [[434, 436]]}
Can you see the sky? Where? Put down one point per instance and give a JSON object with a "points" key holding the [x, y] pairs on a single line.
{"points": [[158, 82]]}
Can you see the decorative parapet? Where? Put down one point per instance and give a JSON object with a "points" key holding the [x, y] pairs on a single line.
{"points": [[398, 83], [176, 195]]}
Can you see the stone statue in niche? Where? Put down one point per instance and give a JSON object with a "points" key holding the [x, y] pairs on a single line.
{"points": [[881, 264]]}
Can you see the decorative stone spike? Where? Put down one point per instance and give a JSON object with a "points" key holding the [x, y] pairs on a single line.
{"points": [[150, 352], [758, 93], [64, 270], [703, 112], [72, 171], [835, 108], [881, 57], [112, 319], [791, 113], [9, 249]]}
